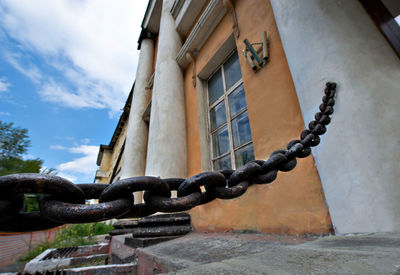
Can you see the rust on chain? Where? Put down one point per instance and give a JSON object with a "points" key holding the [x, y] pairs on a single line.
{"points": [[235, 188], [127, 186], [10, 206], [27, 222], [92, 190], [207, 179], [41, 183], [63, 212], [170, 205], [139, 210], [66, 203], [232, 192]]}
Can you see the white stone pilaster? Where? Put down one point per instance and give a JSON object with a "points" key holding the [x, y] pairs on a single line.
{"points": [[358, 158], [167, 152], [134, 162]]}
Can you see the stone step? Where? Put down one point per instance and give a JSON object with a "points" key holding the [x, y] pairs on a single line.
{"points": [[155, 220], [145, 242], [156, 231]]}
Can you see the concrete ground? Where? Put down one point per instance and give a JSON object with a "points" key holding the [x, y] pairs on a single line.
{"points": [[12, 268], [265, 254]]}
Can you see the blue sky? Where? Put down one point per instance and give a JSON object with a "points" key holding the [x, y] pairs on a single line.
{"points": [[66, 68]]}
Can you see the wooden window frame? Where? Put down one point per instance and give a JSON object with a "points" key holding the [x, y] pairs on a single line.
{"points": [[229, 118]]}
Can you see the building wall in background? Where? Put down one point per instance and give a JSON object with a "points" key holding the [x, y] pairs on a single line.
{"points": [[294, 202], [311, 42]]}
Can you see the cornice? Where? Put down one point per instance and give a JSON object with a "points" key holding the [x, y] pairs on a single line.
{"points": [[202, 30], [176, 8]]}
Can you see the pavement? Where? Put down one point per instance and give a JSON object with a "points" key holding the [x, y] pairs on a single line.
{"points": [[255, 253]]}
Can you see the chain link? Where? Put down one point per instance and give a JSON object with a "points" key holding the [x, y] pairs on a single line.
{"points": [[64, 202]]}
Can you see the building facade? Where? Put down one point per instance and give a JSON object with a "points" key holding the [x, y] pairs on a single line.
{"points": [[203, 101]]}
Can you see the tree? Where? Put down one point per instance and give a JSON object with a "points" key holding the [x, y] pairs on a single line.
{"points": [[14, 143], [13, 165], [13, 140]]}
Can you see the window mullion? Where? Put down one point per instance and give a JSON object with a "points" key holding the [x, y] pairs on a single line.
{"points": [[221, 156], [228, 120], [243, 145], [210, 141], [237, 84], [219, 128], [219, 100], [239, 113]]}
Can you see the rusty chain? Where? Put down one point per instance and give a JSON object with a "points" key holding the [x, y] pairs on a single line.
{"points": [[64, 202]]}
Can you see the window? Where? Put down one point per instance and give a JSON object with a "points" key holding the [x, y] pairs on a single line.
{"points": [[229, 127]]}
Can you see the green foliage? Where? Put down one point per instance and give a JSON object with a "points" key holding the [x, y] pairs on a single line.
{"points": [[12, 165], [71, 235], [13, 140], [48, 171], [31, 202], [101, 228]]}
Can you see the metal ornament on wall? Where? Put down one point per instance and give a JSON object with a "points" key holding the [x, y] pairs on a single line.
{"points": [[257, 58]]}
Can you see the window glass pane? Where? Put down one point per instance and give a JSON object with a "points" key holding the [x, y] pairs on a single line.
{"points": [[237, 100], [215, 87], [223, 163], [232, 71], [244, 155], [241, 130], [218, 115], [220, 140]]}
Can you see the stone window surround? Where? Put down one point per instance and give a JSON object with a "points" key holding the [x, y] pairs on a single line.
{"points": [[229, 121], [215, 63]]}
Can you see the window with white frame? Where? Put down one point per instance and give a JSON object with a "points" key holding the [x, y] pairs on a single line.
{"points": [[229, 127]]}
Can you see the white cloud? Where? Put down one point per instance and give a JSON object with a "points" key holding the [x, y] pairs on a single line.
{"points": [[31, 71], [65, 138], [68, 176], [82, 168], [91, 43], [56, 93], [4, 84], [85, 140], [5, 114], [58, 147]]}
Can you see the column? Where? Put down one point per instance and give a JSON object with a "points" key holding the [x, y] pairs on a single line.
{"points": [[358, 159], [166, 151], [134, 162]]}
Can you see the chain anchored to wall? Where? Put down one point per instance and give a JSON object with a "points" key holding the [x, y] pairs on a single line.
{"points": [[64, 202]]}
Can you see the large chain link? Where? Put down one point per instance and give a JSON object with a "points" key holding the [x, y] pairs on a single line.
{"points": [[64, 202]]}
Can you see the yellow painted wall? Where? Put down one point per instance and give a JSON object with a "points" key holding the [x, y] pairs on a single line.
{"points": [[110, 157], [292, 204], [105, 165]]}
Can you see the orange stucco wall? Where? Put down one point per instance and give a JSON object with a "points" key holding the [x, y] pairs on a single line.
{"points": [[292, 204]]}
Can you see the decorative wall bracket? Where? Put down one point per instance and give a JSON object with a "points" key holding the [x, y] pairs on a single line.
{"points": [[192, 60], [231, 9], [253, 56]]}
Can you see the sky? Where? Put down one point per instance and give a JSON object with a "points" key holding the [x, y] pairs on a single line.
{"points": [[66, 69]]}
